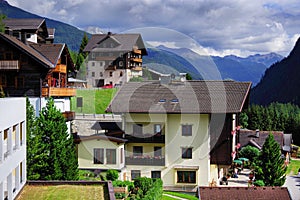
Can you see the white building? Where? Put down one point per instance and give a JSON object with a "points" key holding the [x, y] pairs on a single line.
{"points": [[12, 146]]}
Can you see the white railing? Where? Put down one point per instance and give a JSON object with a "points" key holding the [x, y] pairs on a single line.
{"points": [[104, 117]]}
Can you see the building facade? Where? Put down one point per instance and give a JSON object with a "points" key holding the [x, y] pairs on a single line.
{"points": [[12, 146], [35, 68], [183, 132], [113, 59]]}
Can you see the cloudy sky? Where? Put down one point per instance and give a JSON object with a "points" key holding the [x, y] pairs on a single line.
{"points": [[219, 27]]}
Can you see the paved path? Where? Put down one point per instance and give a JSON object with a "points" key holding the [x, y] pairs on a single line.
{"points": [[293, 185]]}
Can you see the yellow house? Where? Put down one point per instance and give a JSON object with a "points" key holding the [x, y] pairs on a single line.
{"points": [[183, 132]]}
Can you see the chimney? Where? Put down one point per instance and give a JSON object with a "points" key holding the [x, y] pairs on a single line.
{"points": [[257, 133], [23, 38], [109, 33]]}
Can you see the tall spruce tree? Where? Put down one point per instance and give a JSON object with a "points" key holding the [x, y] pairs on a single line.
{"points": [[82, 55], [270, 166], [55, 142]]}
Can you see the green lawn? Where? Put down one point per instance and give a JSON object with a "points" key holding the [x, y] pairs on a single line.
{"points": [[63, 192], [177, 194], [95, 101], [293, 167]]}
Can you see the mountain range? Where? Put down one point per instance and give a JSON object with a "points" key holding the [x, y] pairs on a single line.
{"points": [[168, 60], [64, 33], [206, 67], [280, 82]]}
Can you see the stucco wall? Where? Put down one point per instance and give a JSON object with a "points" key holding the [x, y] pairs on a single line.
{"points": [[86, 153]]}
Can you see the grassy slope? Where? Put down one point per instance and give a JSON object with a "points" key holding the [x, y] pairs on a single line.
{"points": [[63, 192], [181, 195], [94, 101], [293, 167]]}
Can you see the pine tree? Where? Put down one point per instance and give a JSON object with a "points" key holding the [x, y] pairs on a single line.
{"points": [[270, 166], [82, 55], [61, 161]]}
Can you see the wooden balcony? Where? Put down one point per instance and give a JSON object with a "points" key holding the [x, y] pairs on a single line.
{"points": [[58, 92], [145, 138], [60, 68], [69, 115], [9, 65], [148, 161], [137, 51], [137, 68], [139, 60]]}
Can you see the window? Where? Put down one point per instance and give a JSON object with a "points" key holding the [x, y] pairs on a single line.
{"points": [[120, 63], [157, 128], [135, 174], [186, 130], [187, 153], [137, 129], [111, 156], [99, 156], [110, 74], [155, 174], [121, 74], [137, 150], [93, 64], [101, 74], [186, 176], [157, 152], [121, 155], [93, 74]]}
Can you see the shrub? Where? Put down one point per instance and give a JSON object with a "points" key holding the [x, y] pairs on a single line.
{"points": [[249, 152], [259, 183], [118, 183], [147, 189], [112, 174]]}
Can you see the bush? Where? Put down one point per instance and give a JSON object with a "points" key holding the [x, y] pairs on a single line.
{"points": [[112, 174], [249, 152], [147, 189], [120, 195], [118, 183], [259, 183]]}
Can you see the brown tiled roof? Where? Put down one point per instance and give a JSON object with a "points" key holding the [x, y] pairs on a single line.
{"points": [[126, 41], [27, 49], [51, 51], [259, 193], [23, 24], [248, 137], [181, 97]]}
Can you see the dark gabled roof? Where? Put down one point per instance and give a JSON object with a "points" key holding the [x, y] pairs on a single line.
{"points": [[53, 52], [101, 137], [181, 97], [108, 126], [249, 137], [23, 24], [261, 193], [28, 50], [127, 42]]}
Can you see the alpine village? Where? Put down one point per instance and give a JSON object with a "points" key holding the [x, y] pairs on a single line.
{"points": [[91, 119]]}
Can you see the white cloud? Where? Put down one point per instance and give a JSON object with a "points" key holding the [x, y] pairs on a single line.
{"points": [[219, 26]]}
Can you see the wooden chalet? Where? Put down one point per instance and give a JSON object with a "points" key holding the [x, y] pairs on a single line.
{"points": [[34, 70]]}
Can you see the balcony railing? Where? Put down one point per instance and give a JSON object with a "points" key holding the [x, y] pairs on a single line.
{"points": [[137, 59], [137, 68], [69, 115], [60, 68], [145, 138], [9, 65], [59, 92], [141, 160]]}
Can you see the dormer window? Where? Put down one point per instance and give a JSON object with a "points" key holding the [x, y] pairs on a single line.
{"points": [[162, 100]]}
